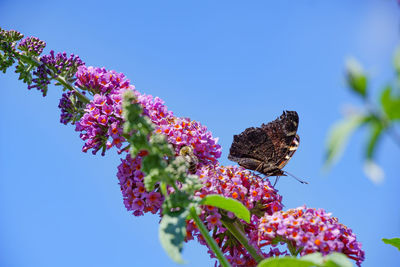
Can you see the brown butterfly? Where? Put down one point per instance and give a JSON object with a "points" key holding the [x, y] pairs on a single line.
{"points": [[267, 149]]}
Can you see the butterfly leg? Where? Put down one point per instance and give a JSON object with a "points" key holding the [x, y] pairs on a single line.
{"points": [[249, 163], [259, 167], [276, 180]]}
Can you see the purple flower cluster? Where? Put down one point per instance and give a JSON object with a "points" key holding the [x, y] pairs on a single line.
{"points": [[103, 117], [101, 81], [54, 66], [101, 124], [10, 37], [66, 107], [32, 45], [240, 184], [255, 193], [184, 132], [181, 131], [136, 198], [309, 230], [8, 40], [71, 107]]}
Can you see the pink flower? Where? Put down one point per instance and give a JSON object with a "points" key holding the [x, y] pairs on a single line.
{"points": [[240, 184], [214, 220], [105, 120], [136, 198], [310, 230]]}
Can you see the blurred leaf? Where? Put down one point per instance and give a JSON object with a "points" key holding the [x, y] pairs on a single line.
{"points": [[285, 262], [396, 61], [177, 199], [151, 179], [356, 78], [373, 171], [390, 104], [337, 260], [339, 135], [228, 204], [314, 259], [376, 130], [393, 241], [172, 233]]}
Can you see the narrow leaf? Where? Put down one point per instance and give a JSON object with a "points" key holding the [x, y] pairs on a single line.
{"points": [[393, 241], [339, 135], [390, 104], [396, 61], [356, 78], [228, 204], [172, 233], [375, 132]]}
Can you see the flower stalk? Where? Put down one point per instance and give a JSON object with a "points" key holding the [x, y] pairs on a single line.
{"points": [[34, 61], [210, 241], [241, 237]]}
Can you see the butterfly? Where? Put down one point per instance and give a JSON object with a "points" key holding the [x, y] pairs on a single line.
{"points": [[267, 149]]}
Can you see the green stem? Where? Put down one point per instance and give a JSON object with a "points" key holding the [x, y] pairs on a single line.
{"points": [[390, 130], [35, 61], [163, 188], [210, 241], [66, 84], [241, 237], [292, 249]]}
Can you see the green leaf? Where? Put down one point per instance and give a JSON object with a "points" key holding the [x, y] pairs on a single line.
{"points": [[393, 241], [286, 262], [151, 179], [153, 161], [356, 78], [315, 257], [228, 204], [177, 199], [390, 104], [339, 135], [376, 130], [337, 260], [396, 61], [172, 233]]}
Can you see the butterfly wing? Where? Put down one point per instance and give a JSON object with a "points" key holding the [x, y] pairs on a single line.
{"points": [[246, 149], [282, 133], [267, 148]]}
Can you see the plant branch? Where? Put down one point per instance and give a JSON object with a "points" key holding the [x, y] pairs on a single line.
{"points": [[241, 237], [391, 131], [36, 62], [210, 241]]}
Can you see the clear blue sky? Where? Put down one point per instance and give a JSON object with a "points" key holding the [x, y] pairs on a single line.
{"points": [[227, 64]]}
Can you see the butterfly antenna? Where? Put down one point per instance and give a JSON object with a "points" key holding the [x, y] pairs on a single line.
{"points": [[301, 181]]}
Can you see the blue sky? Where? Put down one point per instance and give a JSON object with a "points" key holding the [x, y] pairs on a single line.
{"points": [[229, 65]]}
